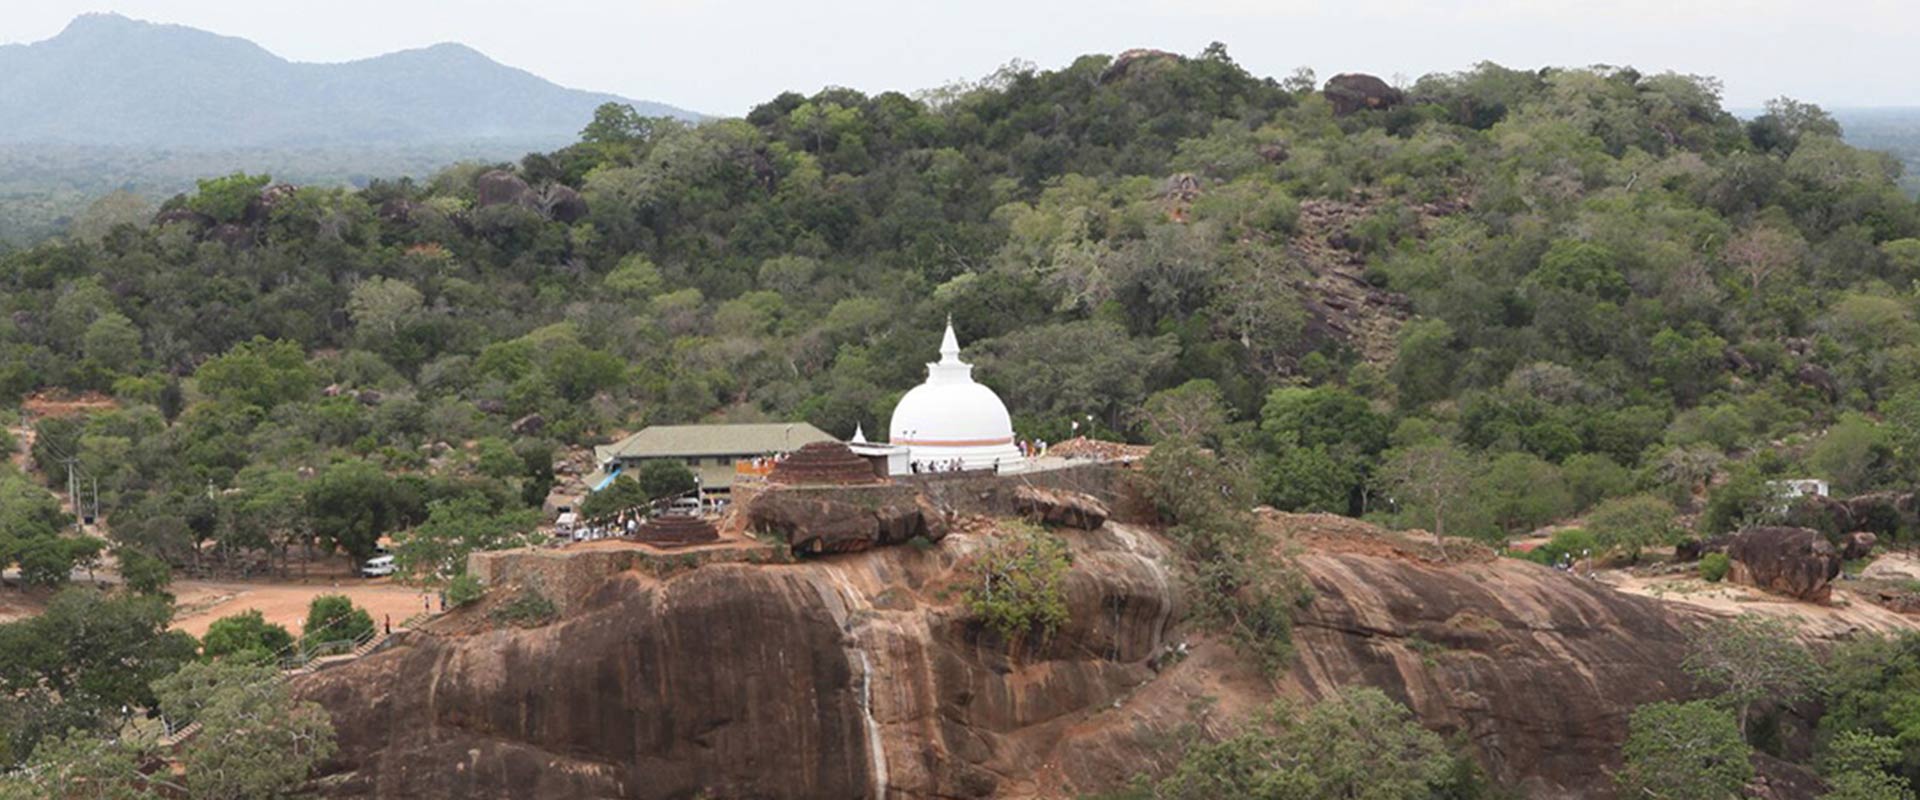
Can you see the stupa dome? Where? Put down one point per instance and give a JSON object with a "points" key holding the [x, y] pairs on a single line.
{"points": [[950, 417]]}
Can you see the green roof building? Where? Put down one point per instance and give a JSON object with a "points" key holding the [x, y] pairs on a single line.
{"points": [[709, 450]]}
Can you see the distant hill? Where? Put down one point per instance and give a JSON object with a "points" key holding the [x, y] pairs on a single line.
{"points": [[1892, 129], [110, 80], [113, 103]]}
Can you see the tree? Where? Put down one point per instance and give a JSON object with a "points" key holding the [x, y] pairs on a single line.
{"points": [[226, 199], [255, 739], [1192, 411], [1429, 479], [260, 372], [1684, 751], [353, 503], [1751, 658], [1357, 744], [143, 572], [1632, 524], [380, 305], [112, 341], [248, 636], [1239, 584], [89, 658], [1424, 371], [436, 550], [1856, 767], [625, 492], [1017, 583], [664, 478], [334, 618], [1853, 453]]}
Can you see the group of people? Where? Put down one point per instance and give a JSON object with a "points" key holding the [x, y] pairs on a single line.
{"points": [[1032, 448], [764, 463]]}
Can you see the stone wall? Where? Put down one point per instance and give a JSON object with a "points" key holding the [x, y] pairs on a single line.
{"points": [[994, 495]]}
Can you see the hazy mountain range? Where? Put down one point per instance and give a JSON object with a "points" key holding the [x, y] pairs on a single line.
{"points": [[110, 80]]}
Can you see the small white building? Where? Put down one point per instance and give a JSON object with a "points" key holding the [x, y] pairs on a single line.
{"points": [[894, 459]]}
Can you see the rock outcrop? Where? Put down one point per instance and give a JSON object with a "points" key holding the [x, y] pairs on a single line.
{"points": [[1857, 545], [862, 676], [842, 678], [846, 519], [1795, 562], [1537, 668], [1354, 92], [1061, 508]]}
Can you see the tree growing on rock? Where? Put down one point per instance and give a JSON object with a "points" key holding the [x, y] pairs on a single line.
{"points": [[1751, 658], [1017, 584], [1240, 584], [1429, 480]]}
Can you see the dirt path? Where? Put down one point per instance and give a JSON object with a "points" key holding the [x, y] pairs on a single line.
{"points": [[199, 603]]}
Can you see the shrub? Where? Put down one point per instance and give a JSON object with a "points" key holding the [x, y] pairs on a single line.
{"points": [[528, 609], [1714, 566], [1573, 542], [464, 589], [333, 618], [1018, 583]]}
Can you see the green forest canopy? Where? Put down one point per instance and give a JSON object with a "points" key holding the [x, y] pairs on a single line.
{"points": [[1610, 285]]}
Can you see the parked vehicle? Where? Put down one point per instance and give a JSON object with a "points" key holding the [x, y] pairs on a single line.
{"points": [[377, 566]]}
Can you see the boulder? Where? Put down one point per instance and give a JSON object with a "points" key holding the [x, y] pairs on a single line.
{"points": [[562, 204], [1819, 378], [500, 187], [1354, 92], [1795, 562], [846, 520], [1061, 508], [529, 425], [1857, 545], [1692, 549], [1136, 61]]}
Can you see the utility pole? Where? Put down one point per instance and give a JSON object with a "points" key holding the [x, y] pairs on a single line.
{"points": [[73, 497]]}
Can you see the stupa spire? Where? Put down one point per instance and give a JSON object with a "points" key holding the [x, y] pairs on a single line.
{"points": [[859, 434], [950, 345]]}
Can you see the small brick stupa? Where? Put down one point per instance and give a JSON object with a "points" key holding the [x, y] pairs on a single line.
{"points": [[823, 463], [676, 530]]}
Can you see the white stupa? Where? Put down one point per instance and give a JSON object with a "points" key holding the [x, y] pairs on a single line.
{"points": [[950, 417]]}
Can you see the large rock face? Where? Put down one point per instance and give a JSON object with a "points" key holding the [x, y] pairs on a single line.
{"points": [[1537, 668], [842, 678], [861, 676], [1795, 562]]}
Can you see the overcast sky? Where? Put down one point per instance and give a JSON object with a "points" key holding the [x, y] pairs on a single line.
{"points": [[723, 56]]}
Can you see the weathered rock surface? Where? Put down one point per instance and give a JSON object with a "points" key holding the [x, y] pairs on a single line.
{"points": [[1354, 92], [1061, 508], [841, 678], [1795, 562], [846, 519], [500, 187], [1537, 668], [860, 676], [1858, 544]]}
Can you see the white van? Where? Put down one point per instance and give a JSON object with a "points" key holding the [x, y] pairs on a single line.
{"points": [[377, 567]]}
